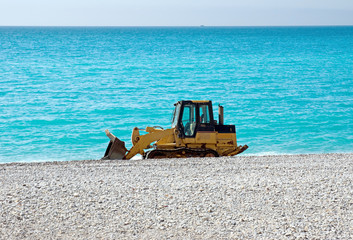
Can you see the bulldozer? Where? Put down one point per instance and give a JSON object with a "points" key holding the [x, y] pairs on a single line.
{"points": [[194, 133]]}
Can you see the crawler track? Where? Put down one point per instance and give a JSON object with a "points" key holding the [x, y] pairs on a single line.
{"points": [[180, 153]]}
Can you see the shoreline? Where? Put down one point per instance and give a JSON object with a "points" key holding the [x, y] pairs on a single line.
{"points": [[270, 197], [140, 159]]}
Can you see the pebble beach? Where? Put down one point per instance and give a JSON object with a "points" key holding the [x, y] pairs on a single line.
{"points": [[241, 197]]}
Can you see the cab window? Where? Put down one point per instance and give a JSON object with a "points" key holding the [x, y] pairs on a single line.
{"points": [[175, 115], [189, 119], [204, 114]]}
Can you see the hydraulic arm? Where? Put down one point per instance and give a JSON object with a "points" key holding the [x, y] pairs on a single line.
{"points": [[116, 148]]}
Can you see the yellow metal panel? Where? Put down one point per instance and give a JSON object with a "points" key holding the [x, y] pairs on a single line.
{"points": [[188, 140], [226, 142], [166, 140], [166, 145], [226, 139], [178, 141], [202, 146], [206, 137]]}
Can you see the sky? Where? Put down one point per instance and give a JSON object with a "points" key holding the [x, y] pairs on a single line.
{"points": [[175, 12]]}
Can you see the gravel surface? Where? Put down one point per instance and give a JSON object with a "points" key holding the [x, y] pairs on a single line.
{"points": [[267, 197]]}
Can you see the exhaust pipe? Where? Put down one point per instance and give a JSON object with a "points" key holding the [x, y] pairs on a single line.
{"points": [[220, 115]]}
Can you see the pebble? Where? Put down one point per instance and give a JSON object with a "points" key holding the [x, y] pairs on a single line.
{"points": [[241, 197]]}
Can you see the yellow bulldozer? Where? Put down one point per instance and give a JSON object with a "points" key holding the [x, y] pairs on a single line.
{"points": [[194, 133]]}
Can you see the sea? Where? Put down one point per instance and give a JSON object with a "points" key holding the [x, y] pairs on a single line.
{"points": [[288, 90]]}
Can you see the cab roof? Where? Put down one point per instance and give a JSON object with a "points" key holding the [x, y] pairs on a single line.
{"points": [[194, 101]]}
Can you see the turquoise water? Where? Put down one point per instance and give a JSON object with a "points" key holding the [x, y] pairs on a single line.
{"points": [[288, 90]]}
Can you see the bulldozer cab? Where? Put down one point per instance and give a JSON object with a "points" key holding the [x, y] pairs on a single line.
{"points": [[189, 117]]}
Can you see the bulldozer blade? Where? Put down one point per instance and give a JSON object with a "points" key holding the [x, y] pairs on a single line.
{"points": [[116, 150]]}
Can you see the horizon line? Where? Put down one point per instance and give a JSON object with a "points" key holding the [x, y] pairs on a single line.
{"points": [[182, 26]]}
